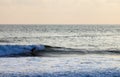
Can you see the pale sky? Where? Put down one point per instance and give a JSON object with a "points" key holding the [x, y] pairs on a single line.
{"points": [[59, 11]]}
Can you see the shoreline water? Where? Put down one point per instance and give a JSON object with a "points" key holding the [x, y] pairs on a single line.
{"points": [[80, 66]]}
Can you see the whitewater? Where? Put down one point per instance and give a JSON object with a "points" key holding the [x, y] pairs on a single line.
{"points": [[65, 50]]}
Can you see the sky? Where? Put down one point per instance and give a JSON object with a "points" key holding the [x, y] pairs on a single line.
{"points": [[59, 11]]}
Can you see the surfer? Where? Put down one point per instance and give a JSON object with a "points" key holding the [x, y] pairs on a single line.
{"points": [[37, 48], [33, 51]]}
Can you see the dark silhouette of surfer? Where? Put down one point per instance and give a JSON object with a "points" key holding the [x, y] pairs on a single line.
{"points": [[38, 50], [33, 51], [42, 50]]}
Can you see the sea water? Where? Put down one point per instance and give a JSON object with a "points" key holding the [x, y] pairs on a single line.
{"points": [[89, 37], [19, 38]]}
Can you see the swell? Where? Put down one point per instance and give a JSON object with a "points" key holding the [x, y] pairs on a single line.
{"points": [[4, 41], [79, 51], [26, 50]]}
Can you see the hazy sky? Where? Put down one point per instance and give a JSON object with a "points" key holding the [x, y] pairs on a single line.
{"points": [[59, 11]]}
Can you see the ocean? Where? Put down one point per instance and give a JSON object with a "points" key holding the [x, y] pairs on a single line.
{"points": [[89, 39]]}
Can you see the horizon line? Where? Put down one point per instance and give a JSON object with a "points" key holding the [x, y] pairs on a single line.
{"points": [[59, 24]]}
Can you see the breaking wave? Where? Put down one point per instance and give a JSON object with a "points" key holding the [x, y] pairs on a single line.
{"points": [[25, 50]]}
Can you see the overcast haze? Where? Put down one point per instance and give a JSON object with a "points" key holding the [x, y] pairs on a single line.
{"points": [[59, 11]]}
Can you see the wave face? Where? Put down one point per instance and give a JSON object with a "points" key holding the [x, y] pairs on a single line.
{"points": [[18, 50], [45, 50], [72, 38]]}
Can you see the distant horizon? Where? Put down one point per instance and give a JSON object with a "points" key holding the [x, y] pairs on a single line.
{"points": [[59, 24]]}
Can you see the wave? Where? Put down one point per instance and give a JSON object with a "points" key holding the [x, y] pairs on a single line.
{"points": [[46, 50], [18, 50], [4, 41]]}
